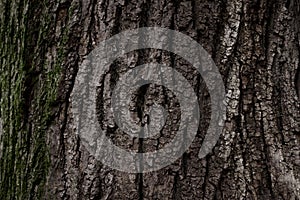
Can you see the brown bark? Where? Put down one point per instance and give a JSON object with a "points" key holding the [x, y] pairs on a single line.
{"points": [[255, 44]]}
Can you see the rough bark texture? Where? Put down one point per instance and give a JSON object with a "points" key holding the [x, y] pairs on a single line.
{"points": [[255, 44]]}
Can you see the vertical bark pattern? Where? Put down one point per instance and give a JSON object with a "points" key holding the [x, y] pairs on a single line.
{"points": [[254, 43]]}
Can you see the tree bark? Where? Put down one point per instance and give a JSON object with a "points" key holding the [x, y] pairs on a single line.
{"points": [[256, 46]]}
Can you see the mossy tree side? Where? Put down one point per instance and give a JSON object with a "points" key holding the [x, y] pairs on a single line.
{"points": [[256, 46]]}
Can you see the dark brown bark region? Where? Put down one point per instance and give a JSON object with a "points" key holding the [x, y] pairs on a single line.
{"points": [[255, 44]]}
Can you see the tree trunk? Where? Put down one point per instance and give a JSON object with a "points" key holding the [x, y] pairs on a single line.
{"points": [[256, 46]]}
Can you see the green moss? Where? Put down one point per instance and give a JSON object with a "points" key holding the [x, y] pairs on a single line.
{"points": [[28, 89]]}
